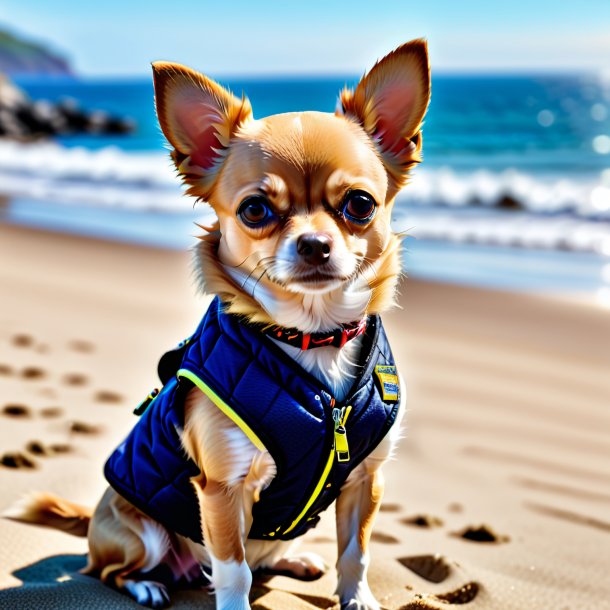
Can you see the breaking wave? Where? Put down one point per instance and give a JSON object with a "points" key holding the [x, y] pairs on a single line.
{"points": [[508, 208], [106, 177]]}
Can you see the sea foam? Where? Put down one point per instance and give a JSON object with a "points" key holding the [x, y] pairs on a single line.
{"points": [[546, 212]]}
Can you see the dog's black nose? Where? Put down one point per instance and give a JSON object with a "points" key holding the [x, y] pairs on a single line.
{"points": [[314, 248]]}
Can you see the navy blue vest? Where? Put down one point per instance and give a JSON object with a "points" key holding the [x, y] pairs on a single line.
{"points": [[315, 441]]}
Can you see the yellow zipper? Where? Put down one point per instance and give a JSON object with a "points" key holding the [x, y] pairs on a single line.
{"points": [[339, 448]]}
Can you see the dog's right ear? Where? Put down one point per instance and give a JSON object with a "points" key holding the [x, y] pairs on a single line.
{"points": [[198, 117]]}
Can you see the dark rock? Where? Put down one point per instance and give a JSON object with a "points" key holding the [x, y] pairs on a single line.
{"points": [[24, 119], [507, 202]]}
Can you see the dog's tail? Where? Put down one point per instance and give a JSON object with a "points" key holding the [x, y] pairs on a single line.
{"points": [[52, 511]]}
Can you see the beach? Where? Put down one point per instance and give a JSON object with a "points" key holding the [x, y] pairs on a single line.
{"points": [[498, 497]]}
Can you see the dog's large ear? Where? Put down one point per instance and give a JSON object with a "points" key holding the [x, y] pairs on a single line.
{"points": [[198, 117], [390, 103]]}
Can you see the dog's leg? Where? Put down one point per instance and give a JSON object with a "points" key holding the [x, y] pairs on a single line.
{"points": [[125, 544], [233, 472], [223, 524], [357, 507]]}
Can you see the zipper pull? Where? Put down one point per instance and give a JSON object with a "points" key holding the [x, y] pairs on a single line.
{"points": [[139, 410], [341, 445]]}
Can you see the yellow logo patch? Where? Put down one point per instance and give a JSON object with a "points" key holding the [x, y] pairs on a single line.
{"points": [[388, 380]]}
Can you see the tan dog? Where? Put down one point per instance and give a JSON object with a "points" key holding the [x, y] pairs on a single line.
{"points": [[303, 240]]}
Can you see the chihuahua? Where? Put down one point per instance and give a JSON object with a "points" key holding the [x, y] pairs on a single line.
{"points": [[286, 399]]}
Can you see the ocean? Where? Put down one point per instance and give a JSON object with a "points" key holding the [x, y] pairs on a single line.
{"points": [[514, 191]]}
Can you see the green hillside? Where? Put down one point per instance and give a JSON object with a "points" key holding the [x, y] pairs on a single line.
{"points": [[19, 56]]}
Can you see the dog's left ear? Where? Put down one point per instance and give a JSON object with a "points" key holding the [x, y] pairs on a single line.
{"points": [[390, 103], [198, 117]]}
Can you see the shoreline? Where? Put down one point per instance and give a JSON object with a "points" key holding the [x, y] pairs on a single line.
{"points": [[507, 428]]}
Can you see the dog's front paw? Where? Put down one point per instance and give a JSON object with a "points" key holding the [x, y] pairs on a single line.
{"points": [[231, 581], [361, 599], [231, 600]]}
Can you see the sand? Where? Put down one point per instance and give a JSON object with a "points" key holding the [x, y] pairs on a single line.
{"points": [[499, 496]]}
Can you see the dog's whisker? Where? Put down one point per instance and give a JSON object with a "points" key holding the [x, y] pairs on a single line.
{"points": [[260, 277], [247, 278], [367, 266], [243, 262], [405, 232], [263, 262]]}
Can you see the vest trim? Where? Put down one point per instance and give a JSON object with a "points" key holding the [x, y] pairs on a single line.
{"points": [[223, 406], [316, 491]]}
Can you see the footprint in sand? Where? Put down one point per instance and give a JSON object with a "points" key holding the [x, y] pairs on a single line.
{"points": [[16, 410], [323, 539], [17, 460], [81, 427], [455, 507], [5, 369], [384, 538], [82, 346], [37, 448], [33, 373], [40, 449], [464, 595], [22, 340], [390, 508], [75, 379], [51, 412], [481, 533], [48, 392], [433, 568], [58, 448], [427, 521], [107, 396]]}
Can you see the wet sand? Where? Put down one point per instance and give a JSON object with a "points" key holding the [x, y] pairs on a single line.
{"points": [[499, 497]]}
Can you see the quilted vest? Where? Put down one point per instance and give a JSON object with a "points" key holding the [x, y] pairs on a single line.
{"points": [[314, 440]]}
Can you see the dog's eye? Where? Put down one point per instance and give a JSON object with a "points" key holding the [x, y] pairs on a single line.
{"points": [[255, 211], [358, 207]]}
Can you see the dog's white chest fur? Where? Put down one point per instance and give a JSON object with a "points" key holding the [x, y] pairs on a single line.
{"points": [[335, 367]]}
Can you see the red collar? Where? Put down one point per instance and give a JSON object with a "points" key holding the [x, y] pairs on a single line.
{"points": [[337, 337]]}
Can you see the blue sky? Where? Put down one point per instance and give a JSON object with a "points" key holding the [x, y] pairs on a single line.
{"points": [[122, 37]]}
